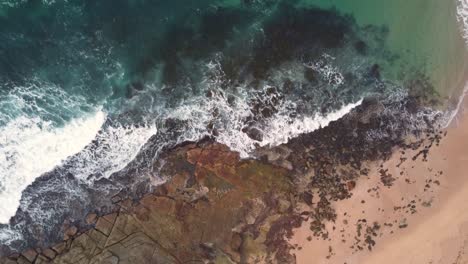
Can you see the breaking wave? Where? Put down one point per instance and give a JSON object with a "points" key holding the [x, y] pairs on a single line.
{"points": [[462, 12], [31, 147], [112, 149]]}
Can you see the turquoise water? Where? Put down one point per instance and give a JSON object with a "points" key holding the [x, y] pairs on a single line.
{"points": [[429, 35], [90, 90]]}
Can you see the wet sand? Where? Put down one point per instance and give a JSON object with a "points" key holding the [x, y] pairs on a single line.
{"points": [[422, 218]]}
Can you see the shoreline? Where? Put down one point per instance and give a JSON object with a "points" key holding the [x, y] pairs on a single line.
{"points": [[442, 229], [461, 79], [205, 176], [432, 230], [459, 105]]}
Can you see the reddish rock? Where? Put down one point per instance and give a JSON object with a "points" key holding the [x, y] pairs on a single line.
{"points": [[351, 185], [110, 217], [213, 156], [142, 213], [104, 226], [201, 213], [30, 254], [236, 242], [91, 219], [177, 182], [49, 253], [126, 204], [60, 247], [70, 232]]}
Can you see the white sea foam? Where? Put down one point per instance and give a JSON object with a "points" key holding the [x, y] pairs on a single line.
{"points": [[283, 128], [280, 129], [228, 116], [14, 3], [31, 147], [462, 14], [452, 115], [114, 148], [230, 121], [326, 69]]}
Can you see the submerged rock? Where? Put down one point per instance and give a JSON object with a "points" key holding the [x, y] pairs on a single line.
{"points": [[216, 208], [219, 209]]}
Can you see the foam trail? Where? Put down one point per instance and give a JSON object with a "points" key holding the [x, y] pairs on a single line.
{"points": [[452, 115], [281, 129], [31, 147], [281, 132], [114, 148], [462, 14]]}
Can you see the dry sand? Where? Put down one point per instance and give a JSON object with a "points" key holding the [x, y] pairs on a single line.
{"points": [[435, 230]]}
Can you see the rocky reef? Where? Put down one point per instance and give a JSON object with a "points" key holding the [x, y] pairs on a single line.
{"points": [[218, 208]]}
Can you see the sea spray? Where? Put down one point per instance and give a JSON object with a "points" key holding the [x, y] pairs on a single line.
{"points": [[462, 15], [31, 147], [112, 149]]}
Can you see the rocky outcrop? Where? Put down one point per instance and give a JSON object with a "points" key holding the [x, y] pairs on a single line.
{"points": [[215, 209]]}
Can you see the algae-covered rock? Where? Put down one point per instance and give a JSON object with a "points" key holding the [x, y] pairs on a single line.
{"points": [[215, 208]]}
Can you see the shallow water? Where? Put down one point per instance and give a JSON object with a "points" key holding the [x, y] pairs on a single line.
{"points": [[426, 33], [92, 91]]}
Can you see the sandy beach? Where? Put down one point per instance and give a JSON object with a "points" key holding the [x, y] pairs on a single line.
{"points": [[422, 218]]}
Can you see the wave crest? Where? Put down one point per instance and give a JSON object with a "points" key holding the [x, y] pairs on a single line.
{"points": [[462, 14], [32, 146]]}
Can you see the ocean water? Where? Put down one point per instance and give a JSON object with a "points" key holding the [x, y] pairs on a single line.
{"points": [[429, 34], [92, 92]]}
